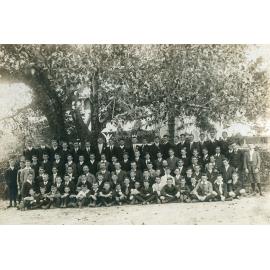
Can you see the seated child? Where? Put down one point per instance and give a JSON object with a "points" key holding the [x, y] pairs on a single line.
{"points": [[73, 197], [114, 181], [30, 202], [146, 195], [118, 195], [157, 187], [43, 199], [204, 190], [134, 192], [236, 190], [169, 192], [82, 196], [219, 188], [55, 198], [65, 197], [184, 191], [93, 195], [126, 189], [82, 181], [106, 195]]}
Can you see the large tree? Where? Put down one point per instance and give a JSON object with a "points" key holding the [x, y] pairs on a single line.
{"points": [[215, 83], [156, 83], [57, 74]]}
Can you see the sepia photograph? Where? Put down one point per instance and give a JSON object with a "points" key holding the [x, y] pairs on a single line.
{"points": [[134, 134]]}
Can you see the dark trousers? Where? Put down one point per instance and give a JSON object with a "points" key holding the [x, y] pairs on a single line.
{"points": [[105, 200], [12, 194], [145, 198]]}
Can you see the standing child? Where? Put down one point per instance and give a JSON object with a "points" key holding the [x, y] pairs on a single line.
{"points": [[11, 181]]}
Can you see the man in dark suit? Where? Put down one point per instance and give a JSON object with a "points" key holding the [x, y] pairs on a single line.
{"points": [[65, 151], [30, 151], [111, 150], [166, 146], [224, 143], [202, 143], [88, 149], [42, 149], [93, 164], [121, 149], [155, 148], [227, 172], [11, 181], [76, 152], [139, 161], [100, 148], [134, 146], [144, 148], [212, 143], [191, 145], [252, 164], [54, 149]]}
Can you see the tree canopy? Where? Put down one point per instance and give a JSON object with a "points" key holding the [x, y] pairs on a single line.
{"points": [[156, 83]]}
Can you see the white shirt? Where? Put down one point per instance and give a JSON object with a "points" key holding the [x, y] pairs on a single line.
{"points": [[251, 154]]}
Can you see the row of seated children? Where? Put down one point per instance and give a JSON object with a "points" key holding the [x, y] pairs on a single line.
{"points": [[108, 193]]}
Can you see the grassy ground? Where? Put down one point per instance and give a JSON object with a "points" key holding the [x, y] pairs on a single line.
{"points": [[248, 210]]}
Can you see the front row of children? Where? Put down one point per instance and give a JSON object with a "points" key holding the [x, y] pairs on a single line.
{"points": [[113, 193]]}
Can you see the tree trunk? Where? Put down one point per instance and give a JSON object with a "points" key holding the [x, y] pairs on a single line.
{"points": [[171, 125]]}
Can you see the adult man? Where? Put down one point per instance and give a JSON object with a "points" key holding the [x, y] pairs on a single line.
{"points": [[55, 149], [172, 160], [11, 181], [134, 147], [111, 150], [76, 152], [202, 143], [166, 146], [155, 148], [100, 148], [252, 163], [42, 149], [30, 151], [224, 143], [212, 143]]}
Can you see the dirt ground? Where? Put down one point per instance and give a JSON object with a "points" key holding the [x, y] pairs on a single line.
{"points": [[248, 210]]}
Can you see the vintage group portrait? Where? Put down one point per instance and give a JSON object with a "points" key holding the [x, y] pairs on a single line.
{"points": [[141, 134]]}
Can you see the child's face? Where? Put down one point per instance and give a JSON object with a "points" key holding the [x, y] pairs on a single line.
{"points": [[114, 177], [183, 182], [95, 186], [235, 177], [159, 155], [100, 178], [118, 188], [158, 172], [137, 185], [58, 180], [169, 182], [67, 189], [69, 170], [66, 178], [189, 171], [83, 178], [132, 174], [81, 158], [32, 192], [53, 189], [42, 191], [45, 177], [126, 181], [193, 181], [69, 158], [146, 184], [107, 186], [157, 180], [54, 170], [84, 188], [177, 172], [219, 179]]}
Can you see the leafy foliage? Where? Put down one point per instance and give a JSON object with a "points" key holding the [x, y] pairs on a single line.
{"points": [[155, 83]]}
